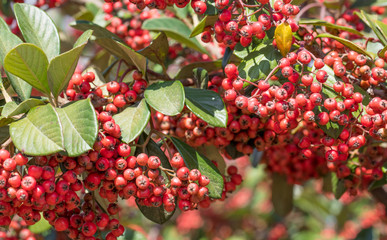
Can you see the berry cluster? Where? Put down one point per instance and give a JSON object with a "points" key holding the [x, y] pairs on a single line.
{"points": [[18, 229]]}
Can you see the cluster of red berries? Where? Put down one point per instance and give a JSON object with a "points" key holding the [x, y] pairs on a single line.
{"points": [[129, 29], [232, 27]]}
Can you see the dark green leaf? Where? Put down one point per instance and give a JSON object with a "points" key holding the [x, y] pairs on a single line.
{"points": [[365, 234], [124, 52], [175, 29], [206, 21], [157, 51], [282, 195], [28, 62], [319, 22], [186, 71], [12, 109], [233, 152], [347, 43], [4, 134], [79, 126], [62, 67], [226, 57], [5, 121], [207, 105], [259, 63], [201, 77], [98, 31], [166, 97], [213, 154], [7, 42], [338, 186], [38, 28], [194, 160], [39, 133], [133, 120], [370, 21]]}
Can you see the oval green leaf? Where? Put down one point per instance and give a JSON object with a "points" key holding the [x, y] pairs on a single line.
{"points": [[166, 97], [206, 21], [187, 71], [194, 160], [157, 51], [79, 126], [319, 22], [132, 121], [208, 105], [38, 28], [12, 109], [7, 42], [29, 62], [39, 133], [175, 29], [62, 67]]}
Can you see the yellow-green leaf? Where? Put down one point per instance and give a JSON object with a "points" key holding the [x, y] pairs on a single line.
{"points": [[283, 37]]}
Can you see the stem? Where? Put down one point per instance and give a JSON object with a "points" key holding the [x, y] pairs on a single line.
{"points": [[6, 143]]}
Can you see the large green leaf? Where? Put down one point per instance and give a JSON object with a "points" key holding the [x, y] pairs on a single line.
{"points": [[282, 195], [38, 28], [186, 71], [133, 120], [8, 41], [62, 67], [157, 215], [347, 43], [166, 97], [259, 63], [80, 127], [124, 52], [12, 109], [4, 26], [39, 133], [194, 160], [98, 31], [208, 105], [206, 21], [28, 62], [320, 22], [175, 29], [157, 51]]}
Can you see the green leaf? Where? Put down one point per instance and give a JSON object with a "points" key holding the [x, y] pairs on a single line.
{"points": [[259, 63], [382, 52], [132, 121], [206, 21], [187, 71], [79, 126], [349, 44], [366, 234], [370, 21], [38, 28], [39, 133], [332, 129], [319, 22], [175, 29], [157, 215], [157, 51], [4, 26], [226, 57], [233, 152], [201, 77], [242, 52], [166, 97], [12, 109], [98, 31], [29, 62], [207, 105], [62, 67], [5, 121], [194, 160], [367, 3], [338, 186], [124, 52], [40, 227], [213, 154], [282, 195], [7, 42], [4, 134]]}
